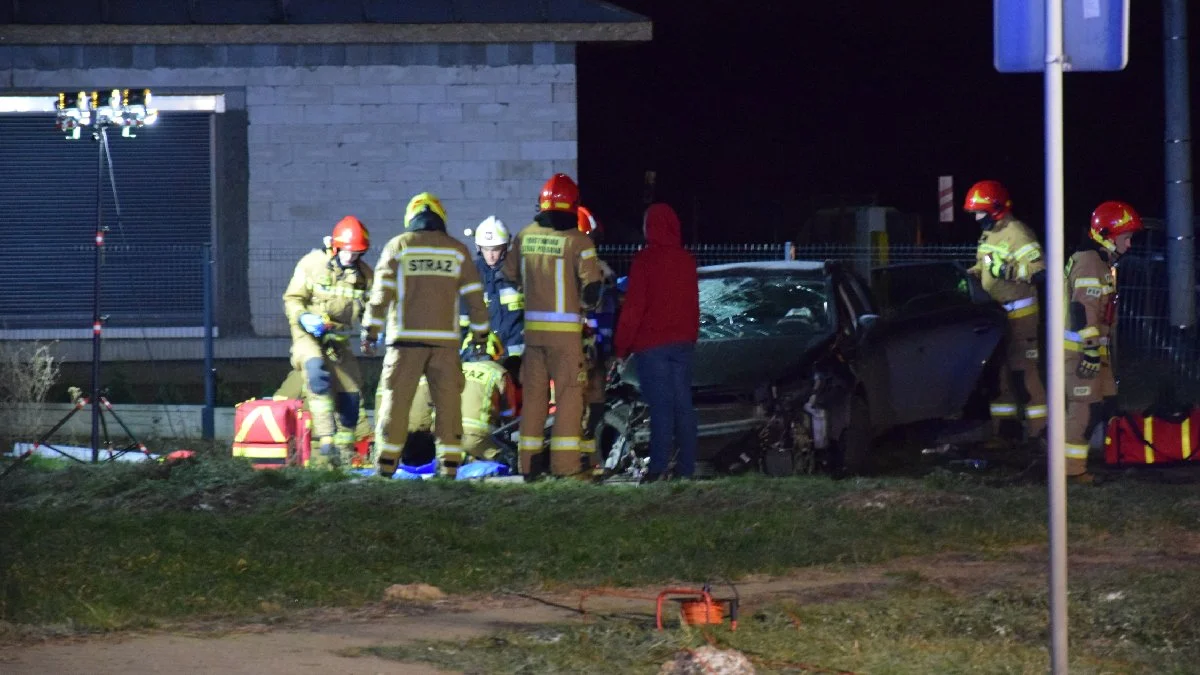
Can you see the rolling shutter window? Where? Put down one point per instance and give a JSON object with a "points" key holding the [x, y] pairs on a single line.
{"points": [[152, 268]]}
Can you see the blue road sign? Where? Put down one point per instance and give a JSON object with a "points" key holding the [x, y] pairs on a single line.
{"points": [[1095, 35]]}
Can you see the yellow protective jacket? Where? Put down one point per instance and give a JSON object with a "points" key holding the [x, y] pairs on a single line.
{"points": [[1091, 294], [419, 280], [321, 286], [488, 395], [552, 267], [1013, 243]]}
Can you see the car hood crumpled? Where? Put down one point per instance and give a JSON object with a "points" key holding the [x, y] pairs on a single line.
{"points": [[743, 362]]}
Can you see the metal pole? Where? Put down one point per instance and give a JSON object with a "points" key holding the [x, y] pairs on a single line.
{"points": [[210, 388], [1180, 234], [96, 321], [1055, 366]]}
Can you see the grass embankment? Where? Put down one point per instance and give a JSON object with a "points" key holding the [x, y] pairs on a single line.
{"points": [[121, 546]]}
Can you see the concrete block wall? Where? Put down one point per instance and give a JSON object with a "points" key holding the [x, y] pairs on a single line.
{"points": [[327, 142], [353, 129]]}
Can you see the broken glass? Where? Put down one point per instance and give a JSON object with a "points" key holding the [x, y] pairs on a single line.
{"points": [[740, 306]]}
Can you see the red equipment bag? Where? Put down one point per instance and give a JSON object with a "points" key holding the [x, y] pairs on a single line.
{"points": [[270, 433], [1135, 438], [303, 436]]}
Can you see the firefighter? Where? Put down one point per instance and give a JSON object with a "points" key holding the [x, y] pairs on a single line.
{"points": [[488, 400], [556, 267], [1010, 267], [505, 303], [323, 301], [421, 275], [1091, 325], [597, 343]]}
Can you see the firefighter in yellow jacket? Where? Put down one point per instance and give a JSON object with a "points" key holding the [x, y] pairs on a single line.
{"points": [[420, 277], [1009, 264], [323, 301], [1091, 323], [556, 266]]}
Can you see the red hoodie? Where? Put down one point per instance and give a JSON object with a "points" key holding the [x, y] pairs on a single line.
{"points": [[662, 303]]}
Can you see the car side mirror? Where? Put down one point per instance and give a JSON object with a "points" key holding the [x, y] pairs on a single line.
{"points": [[865, 322]]}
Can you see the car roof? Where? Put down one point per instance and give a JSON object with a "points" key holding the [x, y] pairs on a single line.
{"points": [[803, 266]]}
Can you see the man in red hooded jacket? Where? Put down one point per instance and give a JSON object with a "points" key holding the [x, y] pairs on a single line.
{"points": [[659, 323]]}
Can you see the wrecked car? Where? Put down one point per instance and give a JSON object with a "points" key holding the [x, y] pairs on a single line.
{"points": [[801, 365]]}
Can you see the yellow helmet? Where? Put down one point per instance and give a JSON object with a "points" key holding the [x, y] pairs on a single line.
{"points": [[425, 203]]}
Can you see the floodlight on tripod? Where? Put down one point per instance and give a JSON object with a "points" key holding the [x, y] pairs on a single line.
{"points": [[124, 109]]}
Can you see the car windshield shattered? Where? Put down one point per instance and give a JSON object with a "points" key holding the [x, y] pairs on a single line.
{"points": [[744, 306]]}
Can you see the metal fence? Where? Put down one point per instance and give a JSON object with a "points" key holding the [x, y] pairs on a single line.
{"points": [[140, 286], [267, 276], [620, 256], [163, 286], [1151, 352]]}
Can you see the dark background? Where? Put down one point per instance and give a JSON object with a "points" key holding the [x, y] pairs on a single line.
{"points": [[754, 115]]}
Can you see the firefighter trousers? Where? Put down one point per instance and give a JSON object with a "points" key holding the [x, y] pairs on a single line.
{"points": [[1022, 396], [594, 397], [294, 386], [332, 390], [403, 367], [1086, 407], [563, 365]]}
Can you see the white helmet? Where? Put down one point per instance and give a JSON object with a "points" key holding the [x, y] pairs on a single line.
{"points": [[491, 232]]}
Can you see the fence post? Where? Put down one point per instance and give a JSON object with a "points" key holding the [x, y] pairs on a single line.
{"points": [[207, 422], [789, 250]]}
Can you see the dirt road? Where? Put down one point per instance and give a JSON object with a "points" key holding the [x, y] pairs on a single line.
{"points": [[325, 641]]}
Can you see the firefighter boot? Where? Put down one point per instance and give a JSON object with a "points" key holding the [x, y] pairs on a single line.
{"points": [[389, 461], [325, 455], [448, 462], [565, 462]]}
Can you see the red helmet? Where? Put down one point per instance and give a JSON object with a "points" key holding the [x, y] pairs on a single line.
{"points": [[1112, 219], [588, 223], [350, 235], [990, 197], [560, 193]]}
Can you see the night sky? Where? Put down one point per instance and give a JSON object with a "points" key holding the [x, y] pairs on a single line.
{"points": [[756, 114]]}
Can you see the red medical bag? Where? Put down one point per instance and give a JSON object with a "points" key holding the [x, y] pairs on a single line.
{"points": [[271, 433], [1135, 438]]}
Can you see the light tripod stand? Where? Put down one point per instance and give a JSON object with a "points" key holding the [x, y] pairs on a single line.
{"points": [[126, 110]]}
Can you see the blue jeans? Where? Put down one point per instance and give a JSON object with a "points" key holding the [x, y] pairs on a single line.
{"points": [[665, 374]]}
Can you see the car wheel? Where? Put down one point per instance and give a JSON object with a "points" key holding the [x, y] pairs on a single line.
{"points": [[855, 441]]}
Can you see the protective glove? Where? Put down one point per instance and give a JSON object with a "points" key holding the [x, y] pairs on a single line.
{"points": [[1089, 363], [313, 324], [590, 353], [495, 346], [998, 268], [480, 339]]}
